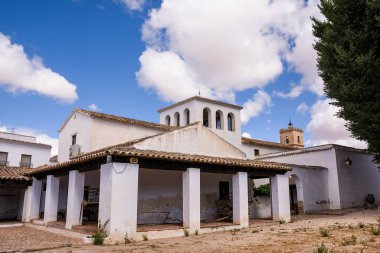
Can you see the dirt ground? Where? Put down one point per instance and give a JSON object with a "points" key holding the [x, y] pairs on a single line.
{"points": [[346, 233]]}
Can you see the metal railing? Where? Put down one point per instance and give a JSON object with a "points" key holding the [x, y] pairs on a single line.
{"points": [[26, 165], [4, 163]]}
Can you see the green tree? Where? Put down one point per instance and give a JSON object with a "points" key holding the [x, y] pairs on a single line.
{"points": [[348, 47]]}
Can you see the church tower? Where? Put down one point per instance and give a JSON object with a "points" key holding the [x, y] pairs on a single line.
{"points": [[292, 136]]}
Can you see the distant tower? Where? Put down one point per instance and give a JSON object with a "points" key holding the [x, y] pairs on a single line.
{"points": [[292, 136]]}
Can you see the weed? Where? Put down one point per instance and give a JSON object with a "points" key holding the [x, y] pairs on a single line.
{"points": [[350, 226], [324, 232], [364, 242], [101, 234], [196, 232], [282, 221], [126, 239], [145, 237], [372, 239], [375, 231], [361, 225], [321, 249], [186, 232], [255, 231], [349, 241]]}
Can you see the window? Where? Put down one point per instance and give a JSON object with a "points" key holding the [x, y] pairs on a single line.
{"points": [[286, 139], [231, 122], [74, 139], [167, 120], [298, 139], [177, 119], [224, 190], [187, 116], [26, 161], [3, 159], [206, 117], [257, 152], [218, 120]]}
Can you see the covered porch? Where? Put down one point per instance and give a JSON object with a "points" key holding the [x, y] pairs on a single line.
{"points": [[134, 183]]}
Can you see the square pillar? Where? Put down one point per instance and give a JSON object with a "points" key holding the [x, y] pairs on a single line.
{"points": [[279, 186], [51, 199], [240, 199], [191, 199], [74, 199], [118, 199], [32, 200]]}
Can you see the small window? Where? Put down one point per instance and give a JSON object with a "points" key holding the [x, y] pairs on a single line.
{"points": [[298, 139], [224, 190], [177, 119], [257, 152], [26, 161], [206, 117], [167, 120], [218, 120], [3, 159], [287, 140], [187, 116], [231, 122], [74, 139]]}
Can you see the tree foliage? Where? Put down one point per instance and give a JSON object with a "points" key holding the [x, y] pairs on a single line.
{"points": [[348, 47]]}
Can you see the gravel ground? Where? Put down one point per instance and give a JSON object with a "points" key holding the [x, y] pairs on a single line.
{"points": [[30, 239], [302, 235]]}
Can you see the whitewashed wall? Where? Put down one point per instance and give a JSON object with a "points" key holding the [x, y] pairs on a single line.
{"points": [[357, 180], [249, 149], [40, 154]]}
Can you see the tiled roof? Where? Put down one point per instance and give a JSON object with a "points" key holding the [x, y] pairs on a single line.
{"points": [[119, 119], [311, 149], [14, 173], [246, 140], [127, 149], [200, 99], [26, 142]]}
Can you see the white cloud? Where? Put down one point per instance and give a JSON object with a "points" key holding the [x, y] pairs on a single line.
{"points": [[302, 108], [325, 127], [295, 91], [247, 135], [226, 47], [18, 73], [133, 5], [40, 137], [260, 102], [94, 107]]}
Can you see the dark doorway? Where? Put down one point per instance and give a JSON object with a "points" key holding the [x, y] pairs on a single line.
{"points": [[224, 190], [293, 199]]}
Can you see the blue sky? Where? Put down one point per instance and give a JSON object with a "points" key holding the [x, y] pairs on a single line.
{"points": [[98, 47]]}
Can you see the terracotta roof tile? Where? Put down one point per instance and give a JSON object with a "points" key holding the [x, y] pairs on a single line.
{"points": [[119, 119], [14, 173], [246, 140]]}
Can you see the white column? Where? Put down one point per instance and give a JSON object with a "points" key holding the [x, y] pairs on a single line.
{"points": [[74, 199], [191, 199], [240, 199], [118, 199], [280, 198], [32, 199], [51, 199]]}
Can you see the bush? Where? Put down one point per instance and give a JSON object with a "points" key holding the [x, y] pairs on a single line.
{"points": [[101, 234], [322, 249], [349, 241], [262, 190], [324, 232]]}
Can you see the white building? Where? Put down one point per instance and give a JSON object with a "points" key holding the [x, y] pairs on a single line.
{"points": [[193, 167], [18, 153]]}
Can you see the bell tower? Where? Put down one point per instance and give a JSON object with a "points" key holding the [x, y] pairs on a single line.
{"points": [[292, 136]]}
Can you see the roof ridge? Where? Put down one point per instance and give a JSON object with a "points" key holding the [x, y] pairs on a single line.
{"points": [[269, 143]]}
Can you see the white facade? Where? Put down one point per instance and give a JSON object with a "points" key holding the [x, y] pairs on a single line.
{"points": [[15, 145]]}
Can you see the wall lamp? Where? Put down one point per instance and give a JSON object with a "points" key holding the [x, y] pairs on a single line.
{"points": [[348, 162]]}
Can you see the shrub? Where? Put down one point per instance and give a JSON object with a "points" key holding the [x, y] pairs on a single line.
{"points": [[186, 232], [262, 190], [349, 241], [98, 238], [321, 249], [375, 231], [324, 232], [196, 232], [361, 225], [145, 237]]}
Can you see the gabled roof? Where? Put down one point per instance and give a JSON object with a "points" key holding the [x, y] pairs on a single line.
{"points": [[199, 98], [130, 149], [26, 142], [14, 173], [119, 119], [251, 141]]}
